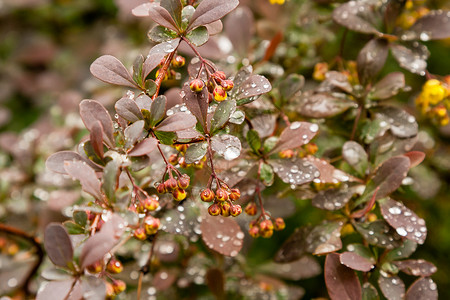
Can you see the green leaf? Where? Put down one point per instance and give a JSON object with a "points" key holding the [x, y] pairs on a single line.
{"points": [[110, 179], [80, 217], [369, 292], [267, 174], [161, 34], [404, 251], [137, 70], [355, 155], [254, 140], [198, 36], [91, 154], [174, 8], [270, 143], [150, 87], [73, 228], [222, 114], [195, 152], [157, 110], [166, 138]]}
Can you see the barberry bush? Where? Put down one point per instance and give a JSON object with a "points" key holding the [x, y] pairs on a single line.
{"points": [[255, 150]]}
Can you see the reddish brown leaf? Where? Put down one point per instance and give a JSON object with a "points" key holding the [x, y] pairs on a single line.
{"points": [[92, 111], [416, 267], [433, 26], [56, 161], [55, 290], [164, 279], [128, 109], [415, 157], [96, 138], [392, 287], [371, 59], [86, 175], [58, 245], [209, 11], [144, 147], [422, 289], [222, 235], [176, 122], [356, 262], [109, 69], [341, 282], [239, 27], [273, 45], [197, 103], [296, 135], [347, 15], [389, 86]]}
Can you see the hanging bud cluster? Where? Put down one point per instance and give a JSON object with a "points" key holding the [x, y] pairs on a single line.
{"points": [[263, 227], [218, 85], [222, 201], [176, 63], [176, 185]]}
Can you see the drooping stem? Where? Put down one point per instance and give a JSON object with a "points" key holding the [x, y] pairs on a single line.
{"points": [[39, 252]]}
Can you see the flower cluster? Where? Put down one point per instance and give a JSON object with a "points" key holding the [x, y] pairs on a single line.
{"points": [[434, 101], [222, 199]]}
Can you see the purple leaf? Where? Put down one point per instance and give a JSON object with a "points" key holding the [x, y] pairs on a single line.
{"points": [[142, 10], [324, 238], [294, 171], [58, 245], [209, 11], [322, 105], [371, 59], [415, 158], [356, 262], [144, 147], [56, 161], [93, 288], [416, 267], [109, 69], [341, 282], [86, 175], [388, 87], [401, 123], [96, 138], [404, 220], [422, 289], [222, 235], [303, 268], [55, 290], [294, 247], [379, 233], [176, 122], [128, 109], [174, 8], [328, 173], [239, 27], [102, 242], [411, 59], [157, 110], [156, 54], [392, 287], [92, 111], [214, 27], [197, 103], [226, 145], [254, 86], [433, 26], [333, 199], [347, 15], [296, 135], [134, 133], [157, 13]]}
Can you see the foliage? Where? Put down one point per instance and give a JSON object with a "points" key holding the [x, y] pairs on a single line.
{"points": [[237, 158]]}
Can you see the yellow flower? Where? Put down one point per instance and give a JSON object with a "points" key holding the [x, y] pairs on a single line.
{"points": [[280, 2], [433, 91]]}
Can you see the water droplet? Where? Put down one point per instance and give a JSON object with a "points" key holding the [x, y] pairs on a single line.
{"points": [[401, 231], [295, 125], [314, 128], [395, 210]]}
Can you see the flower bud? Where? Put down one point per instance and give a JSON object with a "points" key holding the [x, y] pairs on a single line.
{"points": [[219, 94], [267, 233], [166, 75], [182, 147], [140, 207], [110, 294], [219, 75], [139, 234], [320, 69], [235, 194], [171, 184], [254, 232], [227, 85], [235, 210], [225, 209], [183, 182], [95, 267], [151, 204], [161, 188], [197, 85], [311, 148], [179, 194], [214, 209], [207, 195], [114, 266], [221, 195], [119, 286], [151, 225], [286, 154], [251, 209], [266, 225], [279, 224], [173, 159], [178, 61]]}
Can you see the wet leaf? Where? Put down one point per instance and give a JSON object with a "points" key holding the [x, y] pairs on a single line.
{"points": [[371, 59], [348, 16], [239, 27], [416, 267], [128, 109], [254, 140], [401, 123], [215, 280], [388, 87], [174, 8], [226, 145], [335, 82], [264, 124], [86, 175], [222, 114], [96, 138], [110, 177], [291, 85], [379, 233], [333, 199], [324, 238], [144, 147], [197, 103], [415, 158], [177, 122], [92, 111], [369, 292], [56, 161], [433, 26], [74, 228], [80, 217], [392, 287], [322, 105], [209, 11], [160, 15], [57, 290], [161, 34], [355, 155], [109, 69], [356, 262], [267, 175], [166, 138], [134, 133], [93, 288], [157, 110], [362, 251], [296, 135], [164, 279], [294, 171], [196, 152], [328, 173], [254, 86], [102, 242], [411, 59], [404, 251], [198, 36], [214, 27], [156, 54], [405, 221], [185, 220], [58, 245], [303, 268], [294, 247], [222, 235], [341, 282], [422, 289]]}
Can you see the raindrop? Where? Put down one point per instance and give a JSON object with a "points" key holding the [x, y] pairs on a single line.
{"points": [[401, 231], [395, 210], [295, 125], [314, 128]]}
